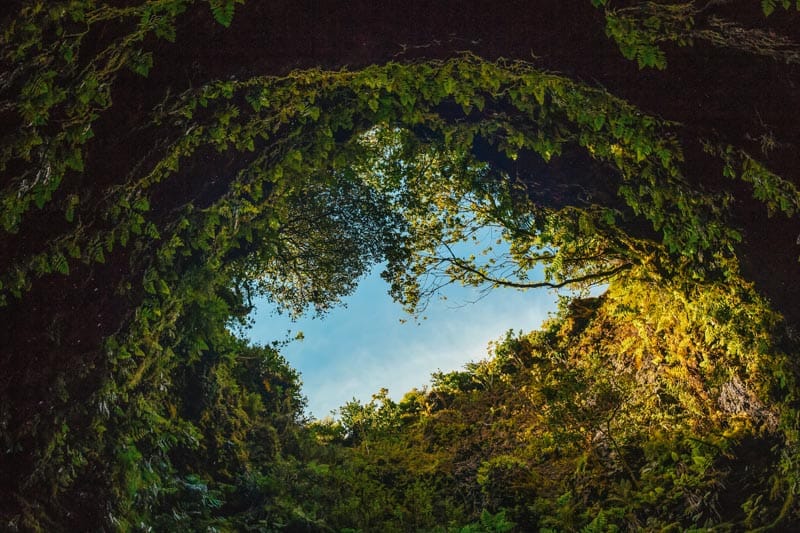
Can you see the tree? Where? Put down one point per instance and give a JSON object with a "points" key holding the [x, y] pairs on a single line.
{"points": [[635, 410]]}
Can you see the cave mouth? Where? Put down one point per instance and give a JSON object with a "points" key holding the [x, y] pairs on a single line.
{"points": [[308, 180]]}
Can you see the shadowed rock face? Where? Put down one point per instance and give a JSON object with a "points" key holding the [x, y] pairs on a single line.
{"points": [[716, 93]]}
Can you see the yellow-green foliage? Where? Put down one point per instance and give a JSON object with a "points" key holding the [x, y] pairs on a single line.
{"points": [[645, 408]]}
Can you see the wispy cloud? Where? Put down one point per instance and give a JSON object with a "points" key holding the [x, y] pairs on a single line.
{"points": [[355, 351]]}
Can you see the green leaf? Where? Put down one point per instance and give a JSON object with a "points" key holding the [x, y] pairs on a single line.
{"points": [[75, 160], [67, 52], [40, 198], [141, 204], [60, 263], [149, 288], [538, 93], [163, 288], [141, 63], [72, 202], [123, 236], [98, 255], [74, 250], [222, 11]]}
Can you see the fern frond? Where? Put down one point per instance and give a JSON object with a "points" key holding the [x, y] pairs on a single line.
{"points": [[222, 11]]}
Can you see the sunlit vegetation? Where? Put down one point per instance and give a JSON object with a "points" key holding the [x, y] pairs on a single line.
{"points": [[635, 410], [139, 220]]}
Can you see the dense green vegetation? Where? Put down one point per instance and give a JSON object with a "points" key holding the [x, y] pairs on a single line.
{"points": [[624, 412], [143, 210]]}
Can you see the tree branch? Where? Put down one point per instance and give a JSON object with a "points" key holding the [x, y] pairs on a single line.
{"points": [[596, 276]]}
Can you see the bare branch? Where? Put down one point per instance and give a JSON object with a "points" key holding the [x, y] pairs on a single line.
{"points": [[589, 277]]}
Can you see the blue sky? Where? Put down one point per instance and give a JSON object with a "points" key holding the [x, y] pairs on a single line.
{"points": [[355, 350]]}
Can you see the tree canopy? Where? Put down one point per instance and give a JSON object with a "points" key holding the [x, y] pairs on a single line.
{"points": [[164, 161]]}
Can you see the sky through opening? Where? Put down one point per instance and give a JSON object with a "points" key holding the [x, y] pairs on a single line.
{"points": [[355, 350]]}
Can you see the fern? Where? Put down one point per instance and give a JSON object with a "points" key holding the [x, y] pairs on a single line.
{"points": [[222, 11]]}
